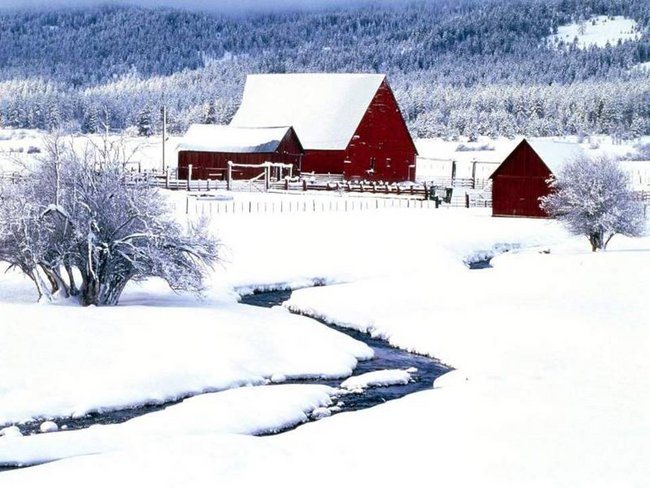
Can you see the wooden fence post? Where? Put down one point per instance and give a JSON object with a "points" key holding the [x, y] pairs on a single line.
{"points": [[189, 176], [466, 200]]}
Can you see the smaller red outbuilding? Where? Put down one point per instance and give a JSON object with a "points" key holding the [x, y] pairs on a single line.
{"points": [[208, 148], [522, 178]]}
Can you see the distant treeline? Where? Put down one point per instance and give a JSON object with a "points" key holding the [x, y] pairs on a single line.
{"points": [[458, 67]]}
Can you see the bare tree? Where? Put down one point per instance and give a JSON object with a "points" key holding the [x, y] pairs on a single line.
{"points": [[593, 197], [78, 215]]}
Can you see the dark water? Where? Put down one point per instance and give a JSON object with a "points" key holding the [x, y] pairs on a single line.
{"points": [[480, 264], [386, 357]]}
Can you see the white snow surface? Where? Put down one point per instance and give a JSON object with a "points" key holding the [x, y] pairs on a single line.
{"points": [[386, 377], [597, 31], [68, 360], [247, 410], [550, 350], [226, 138], [324, 109]]}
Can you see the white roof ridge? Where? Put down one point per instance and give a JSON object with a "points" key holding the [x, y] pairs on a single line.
{"points": [[325, 109], [231, 139]]}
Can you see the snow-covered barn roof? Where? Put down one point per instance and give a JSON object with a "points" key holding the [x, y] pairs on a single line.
{"points": [[226, 138], [324, 109], [556, 154]]}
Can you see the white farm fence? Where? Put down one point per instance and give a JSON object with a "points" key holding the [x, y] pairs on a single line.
{"points": [[198, 206]]}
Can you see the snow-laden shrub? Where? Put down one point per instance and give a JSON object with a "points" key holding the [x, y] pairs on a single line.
{"points": [[593, 197], [78, 215]]}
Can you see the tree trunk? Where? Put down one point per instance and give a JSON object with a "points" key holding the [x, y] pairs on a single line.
{"points": [[43, 290], [72, 287], [89, 293], [597, 241], [94, 292], [56, 281]]}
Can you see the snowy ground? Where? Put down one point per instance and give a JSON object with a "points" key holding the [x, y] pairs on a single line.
{"points": [[597, 31], [22, 147], [550, 348]]}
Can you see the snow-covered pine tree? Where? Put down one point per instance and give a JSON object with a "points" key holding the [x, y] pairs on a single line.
{"points": [[145, 122], [210, 113], [53, 117], [90, 123], [592, 197]]}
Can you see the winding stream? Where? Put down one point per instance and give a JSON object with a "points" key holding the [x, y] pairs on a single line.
{"points": [[385, 357]]}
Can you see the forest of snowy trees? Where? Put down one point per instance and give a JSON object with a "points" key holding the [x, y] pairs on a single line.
{"points": [[458, 67]]}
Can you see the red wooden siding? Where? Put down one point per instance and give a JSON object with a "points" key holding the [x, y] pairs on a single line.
{"points": [[519, 182], [214, 165], [323, 162], [381, 148]]}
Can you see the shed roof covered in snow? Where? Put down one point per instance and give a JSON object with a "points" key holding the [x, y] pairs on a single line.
{"points": [[556, 154], [324, 109], [229, 139], [553, 153]]}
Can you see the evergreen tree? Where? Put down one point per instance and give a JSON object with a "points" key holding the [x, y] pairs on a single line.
{"points": [[90, 124], [210, 113], [145, 126]]}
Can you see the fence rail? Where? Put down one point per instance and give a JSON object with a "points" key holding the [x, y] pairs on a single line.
{"points": [[200, 206], [642, 196], [13, 176]]}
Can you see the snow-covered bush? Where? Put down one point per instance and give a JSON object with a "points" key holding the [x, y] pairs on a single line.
{"points": [[77, 216], [592, 197]]}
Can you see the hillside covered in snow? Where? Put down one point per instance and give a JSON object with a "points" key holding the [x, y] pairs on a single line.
{"points": [[463, 67]]}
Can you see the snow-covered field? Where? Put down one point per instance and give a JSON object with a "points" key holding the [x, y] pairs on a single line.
{"points": [[597, 31], [22, 147], [550, 348]]}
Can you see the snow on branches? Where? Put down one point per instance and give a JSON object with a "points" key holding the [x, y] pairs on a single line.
{"points": [[76, 228], [592, 197]]}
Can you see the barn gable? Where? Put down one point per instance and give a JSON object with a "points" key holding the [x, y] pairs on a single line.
{"points": [[552, 155], [381, 147], [325, 109], [522, 178]]}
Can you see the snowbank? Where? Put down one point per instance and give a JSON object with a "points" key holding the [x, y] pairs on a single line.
{"points": [[386, 377], [68, 361], [251, 410]]}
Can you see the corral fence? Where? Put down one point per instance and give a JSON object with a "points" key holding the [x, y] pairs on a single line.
{"points": [[440, 195], [13, 176]]}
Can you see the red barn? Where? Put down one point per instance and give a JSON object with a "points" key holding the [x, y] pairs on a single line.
{"points": [[521, 179], [208, 148], [348, 124]]}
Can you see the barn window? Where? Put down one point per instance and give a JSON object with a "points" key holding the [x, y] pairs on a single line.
{"points": [[372, 164], [388, 162]]}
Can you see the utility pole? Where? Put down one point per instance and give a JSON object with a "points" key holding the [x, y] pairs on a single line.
{"points": [[164, 136]]}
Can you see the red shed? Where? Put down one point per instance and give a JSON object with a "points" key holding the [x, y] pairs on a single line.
{"points": [[208, 148], [521, 179], [349, 124]]}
